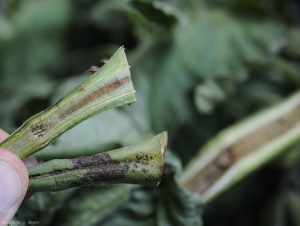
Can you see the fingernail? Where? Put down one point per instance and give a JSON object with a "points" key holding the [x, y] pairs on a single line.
{"points": [[10, 187]]}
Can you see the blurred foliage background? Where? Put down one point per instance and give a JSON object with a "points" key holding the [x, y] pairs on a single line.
{"points": [[197, 66]]}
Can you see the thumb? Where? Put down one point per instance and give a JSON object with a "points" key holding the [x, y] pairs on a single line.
{"points": [[13, 184]]}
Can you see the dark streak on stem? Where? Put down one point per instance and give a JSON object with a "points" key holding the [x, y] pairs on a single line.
{"points": [[143, 164], [240, 148], [39, 129], [111, 172], [101, 168], [95, 95], [101, 159]]}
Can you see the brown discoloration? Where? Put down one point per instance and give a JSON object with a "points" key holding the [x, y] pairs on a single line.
{"points": [[111, 172], [226, 159], [108, 88], [146, 158], [101, 168], [104, 168], [265, 134], [142, 159], [39, 130], [144, 170], [252, 141], [101, 159], [137, 159]]}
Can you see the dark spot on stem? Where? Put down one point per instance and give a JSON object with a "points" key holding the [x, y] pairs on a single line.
{"points": [[226, 159], [138, 159], [144, 170], [142, 159], [38, 130]]}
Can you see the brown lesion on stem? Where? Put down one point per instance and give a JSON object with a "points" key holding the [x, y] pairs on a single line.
{"points": [[138, 165], [101, 168], [101, 159], [108, 88], [232, 153], [111, 172], [39, 130], [226, 158]]}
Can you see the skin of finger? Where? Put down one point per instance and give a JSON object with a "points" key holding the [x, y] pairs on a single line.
{"points": [[30, 161], [15, 162], [3, 135]]}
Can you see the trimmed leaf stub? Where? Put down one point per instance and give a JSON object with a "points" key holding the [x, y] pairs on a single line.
{"points": [[107, 88], [136, 164]]}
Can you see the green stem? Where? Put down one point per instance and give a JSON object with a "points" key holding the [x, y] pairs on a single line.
{"points": [[243, 148], [137, 164], [107, 88]]}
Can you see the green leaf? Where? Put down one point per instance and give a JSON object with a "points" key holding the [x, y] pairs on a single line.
{"points": [[292, 49], [211, 92], [42, 207], [149, 17], [139, 113], [219, 43], [7, 31], [38, 16], [35, 40], [176, 205], [138, 210], [90, 205], [168, 108], [15, 99]]}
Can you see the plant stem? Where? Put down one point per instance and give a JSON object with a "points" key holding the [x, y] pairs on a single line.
{"points": [[107, 88], [243, 148], [136, 164]]}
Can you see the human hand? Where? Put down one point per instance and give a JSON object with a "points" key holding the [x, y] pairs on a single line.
{"points": [[13, 181]]}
